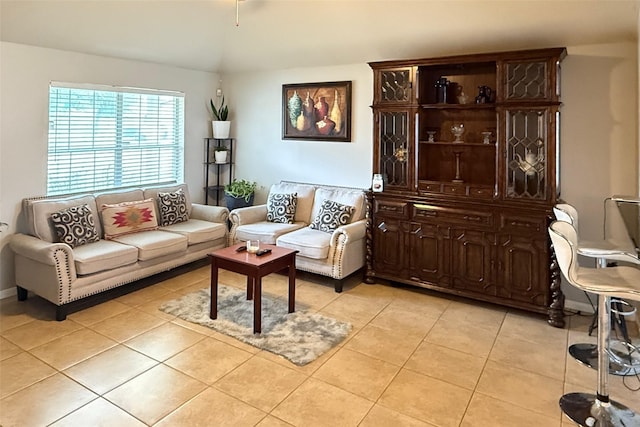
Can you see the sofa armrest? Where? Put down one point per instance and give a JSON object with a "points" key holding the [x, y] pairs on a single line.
{"points": [[241, 216], [354, 231], [248, 215], [39, 250], [218, 214], [48, 269]]}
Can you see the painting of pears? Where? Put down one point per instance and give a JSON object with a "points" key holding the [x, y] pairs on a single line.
{"points": [[320, 111]]}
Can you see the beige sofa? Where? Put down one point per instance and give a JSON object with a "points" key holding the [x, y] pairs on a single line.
{"points": [[332, 253], [64, 274]]}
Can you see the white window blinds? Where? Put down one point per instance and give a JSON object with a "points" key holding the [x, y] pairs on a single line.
{"points": [[103, 138]]}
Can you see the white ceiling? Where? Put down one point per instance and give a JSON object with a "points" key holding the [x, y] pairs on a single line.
{"points": [[276, 34]]}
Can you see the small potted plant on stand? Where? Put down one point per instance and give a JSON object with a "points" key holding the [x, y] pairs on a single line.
{"points": [[239, 193], [220, 125], [221, 154]]}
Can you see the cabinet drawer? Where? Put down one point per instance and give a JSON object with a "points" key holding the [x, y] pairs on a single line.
{"points": [[522, 224], [452, 216], [454, 189], [391, 208], [481, 192]]}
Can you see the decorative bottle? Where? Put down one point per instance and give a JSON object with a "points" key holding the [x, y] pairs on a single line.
{"points": [[336, 114], [303, 123], [295, 106], [321, 109]]}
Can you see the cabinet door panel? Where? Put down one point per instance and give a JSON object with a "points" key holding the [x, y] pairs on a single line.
{"points": [[388, 246], [395, 138], [529, 165], [523, 269], [428, 253], [394, 85], [471, 261]]}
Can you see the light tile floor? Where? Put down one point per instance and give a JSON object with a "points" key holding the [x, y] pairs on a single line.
{"points": [[414, 358]]}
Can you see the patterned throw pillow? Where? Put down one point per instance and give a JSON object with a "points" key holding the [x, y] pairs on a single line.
{"points": [[75, 226], [128, 217], [282, 207], [173, 208], [331, 216]]}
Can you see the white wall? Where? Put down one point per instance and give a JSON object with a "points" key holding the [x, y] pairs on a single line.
{"points": [[599, 147], [25, 73], [263, 156]]}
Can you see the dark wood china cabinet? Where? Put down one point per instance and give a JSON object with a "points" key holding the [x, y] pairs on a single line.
{"points": [[468, 149]]}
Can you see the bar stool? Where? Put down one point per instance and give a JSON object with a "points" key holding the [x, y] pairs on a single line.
{"points": [[622, 282], [625, 358]]}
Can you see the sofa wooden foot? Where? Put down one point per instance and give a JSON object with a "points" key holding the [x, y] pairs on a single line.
{"points": [[22, 293], [338, 285], [61, 313]]}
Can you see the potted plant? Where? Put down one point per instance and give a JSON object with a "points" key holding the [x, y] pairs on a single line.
{"points": [[239, 193], [220, 154], [220, 125]]}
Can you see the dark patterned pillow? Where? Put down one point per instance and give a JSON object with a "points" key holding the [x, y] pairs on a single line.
{"points": [[75, 226], [331, 216], [282, 208], [173, 208]]}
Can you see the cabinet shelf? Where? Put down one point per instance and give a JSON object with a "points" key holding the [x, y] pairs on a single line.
{"points": [[217, 174], [442, 106], [458, 144]]}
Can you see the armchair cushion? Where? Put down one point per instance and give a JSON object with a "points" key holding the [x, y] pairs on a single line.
{"points": [[308, 242], [75, 226], [331, 216], [282, 207], [265, 231]]}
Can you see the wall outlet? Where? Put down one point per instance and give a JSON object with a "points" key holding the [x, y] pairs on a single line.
{"points": [[218, 92]]}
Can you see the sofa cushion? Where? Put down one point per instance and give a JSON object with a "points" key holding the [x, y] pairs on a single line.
{"points": [[331, 216], [152, 193], [198, 231], [345, 196], [154, 243], [172, 208], [282, 207], [305, 194], [38, 214], [308, 242], [128, 217], [75, 226], [103, 255], [265, 231]]}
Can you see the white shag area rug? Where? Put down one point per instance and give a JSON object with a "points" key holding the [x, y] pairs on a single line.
{"points": [[300, 337]]}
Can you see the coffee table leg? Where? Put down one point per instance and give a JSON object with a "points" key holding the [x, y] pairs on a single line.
{"points": [[214, 289], [250, 286], [257, 305], [292, 285]]}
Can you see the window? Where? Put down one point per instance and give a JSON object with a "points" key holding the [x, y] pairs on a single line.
{"points": [[103, 138]]}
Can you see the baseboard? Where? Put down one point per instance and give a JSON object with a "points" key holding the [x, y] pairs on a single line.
{"points": [[582, 307], [7, 293]]}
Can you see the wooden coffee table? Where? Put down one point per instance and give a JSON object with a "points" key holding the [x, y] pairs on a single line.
{"points": [[255, 268]]}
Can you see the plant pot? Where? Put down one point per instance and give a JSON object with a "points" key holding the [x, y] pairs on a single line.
{"points": [[220, 156], [237, 202], [221, 129]]}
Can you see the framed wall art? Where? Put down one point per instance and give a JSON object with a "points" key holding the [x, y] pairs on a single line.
{"points": [[317, 111]]}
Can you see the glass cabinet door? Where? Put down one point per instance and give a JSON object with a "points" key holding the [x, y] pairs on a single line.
{"points": [[527, 163], [526, 81], [395, 148], [394, 86]]}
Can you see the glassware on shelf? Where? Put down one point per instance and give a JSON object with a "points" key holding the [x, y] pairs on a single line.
{"points": [[431, 136], [457, 130], [486, 137]]}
